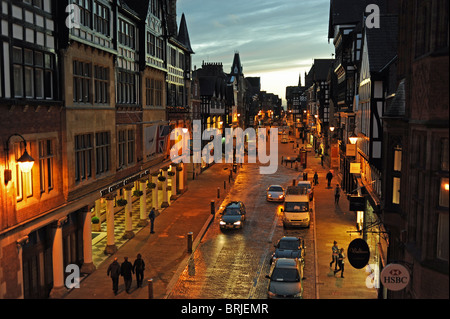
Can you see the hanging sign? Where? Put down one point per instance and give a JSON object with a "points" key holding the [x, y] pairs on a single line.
{"points": [[358, 253], [355, 168], [395, 277]]}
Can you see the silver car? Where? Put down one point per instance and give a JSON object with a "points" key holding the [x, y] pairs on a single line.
{"points": [[286, 277], [275, 193]]}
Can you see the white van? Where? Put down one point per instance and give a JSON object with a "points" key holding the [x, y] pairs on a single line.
{"points": [[296, 211]]}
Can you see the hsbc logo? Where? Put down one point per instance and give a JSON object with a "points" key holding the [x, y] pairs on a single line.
{"points": [[395, 277], [395, 272]]}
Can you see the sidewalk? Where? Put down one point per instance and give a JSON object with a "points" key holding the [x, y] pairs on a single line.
{"points": [[333, 223], [165, 252]]}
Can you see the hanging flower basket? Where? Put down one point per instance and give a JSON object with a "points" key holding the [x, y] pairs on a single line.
{"points": [[122, 202], [138, 193], [161, 179], [179, 168], [171, 173], [151, 185], [95, 220]]}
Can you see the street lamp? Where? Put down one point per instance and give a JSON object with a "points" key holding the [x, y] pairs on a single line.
{"points": [[25, 162], [353, 138]]}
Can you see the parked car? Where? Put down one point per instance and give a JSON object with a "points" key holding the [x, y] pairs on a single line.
{"points": [[275, 193], [289, 247], [286, 277], [309, 189], [233, 215]]}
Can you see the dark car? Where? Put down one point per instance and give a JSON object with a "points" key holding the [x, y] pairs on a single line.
{"points": [[289, 247], [286, 277], [233, 215]]}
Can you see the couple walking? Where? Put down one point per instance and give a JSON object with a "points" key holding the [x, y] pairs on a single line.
{"points": [[338, 257], [126, 270]]}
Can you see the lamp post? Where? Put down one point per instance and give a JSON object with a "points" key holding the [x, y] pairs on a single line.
{"points": [[25, 162]]}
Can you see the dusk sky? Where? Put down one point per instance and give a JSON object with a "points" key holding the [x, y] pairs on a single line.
{"points": [[277, 39]]}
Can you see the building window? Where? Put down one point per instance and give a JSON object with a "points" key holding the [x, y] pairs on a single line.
{"points": [[101, 82], [126, 34], [82, 82], [102, 152], [101, 19], [85, 12], [397, 158], [83, 157], [444, 193], [149, 91], [158, 93], [131, 146], [442, 237], [126, 88], [126, 147], [151, 45], [46, 156], [396, 190], [33, 74]]}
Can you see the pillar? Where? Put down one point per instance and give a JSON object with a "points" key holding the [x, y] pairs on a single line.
{"points": [[143, 203], [58, 289], [111, 247], [20, 243], [165, 202], [155, 199], [128, 211], [88, 265]]}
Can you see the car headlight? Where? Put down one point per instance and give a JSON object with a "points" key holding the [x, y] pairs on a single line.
{"points": [[271, 294], [222, 222], [281, 196], [269, 195], [238, 222]]}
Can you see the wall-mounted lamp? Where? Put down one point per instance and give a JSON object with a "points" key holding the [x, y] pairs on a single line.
{"points": [[332, 128], [25, 162], [353, 138]]}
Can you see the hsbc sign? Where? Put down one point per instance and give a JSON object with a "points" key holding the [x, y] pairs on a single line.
{"points": [[395, 277]]}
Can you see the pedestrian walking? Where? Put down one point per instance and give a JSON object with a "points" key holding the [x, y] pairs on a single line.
{"points": [[138, 269], [341, 258], [337, 194], [329, 178], [126, 270], [334, 255], [316, 179], [152, 216], [114, 272]]}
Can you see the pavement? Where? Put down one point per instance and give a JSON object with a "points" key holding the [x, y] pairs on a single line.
{"points": [[166, 251]]}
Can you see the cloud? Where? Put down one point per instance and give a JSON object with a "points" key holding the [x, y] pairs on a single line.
{"points": [[270, 35]]}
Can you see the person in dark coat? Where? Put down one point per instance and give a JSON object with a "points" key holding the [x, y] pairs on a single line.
{"points": [[316, 179], [337, 194], [138, 269], [341, 258], [126, 271], [152, 216], [329, 178], [114, 272]]}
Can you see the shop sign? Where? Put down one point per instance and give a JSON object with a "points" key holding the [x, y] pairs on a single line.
{"points": [[358, 253], [357, 203], [395, 277], [355, 168], [123, 183], [350, 150]]}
